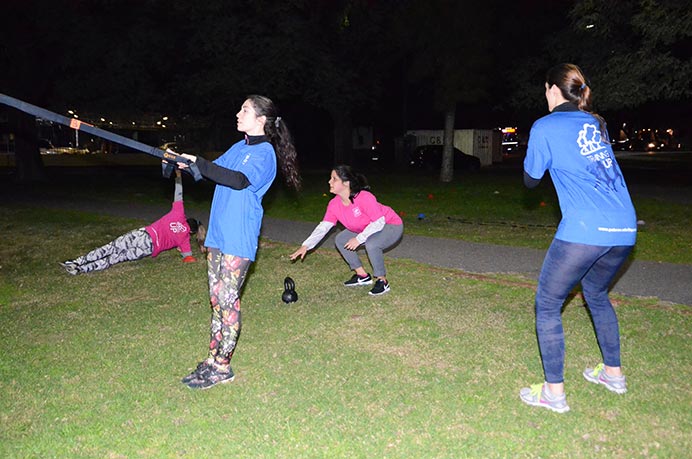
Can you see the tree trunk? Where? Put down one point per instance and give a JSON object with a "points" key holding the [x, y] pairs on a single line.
{"points": [[26, 153], [343, 137], [447, 169]]}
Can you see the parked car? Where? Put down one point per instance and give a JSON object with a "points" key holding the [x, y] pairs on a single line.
{"points": [[429, 157]]}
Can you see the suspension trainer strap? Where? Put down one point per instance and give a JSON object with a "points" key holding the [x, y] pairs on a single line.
{"points": [[167, 156]]}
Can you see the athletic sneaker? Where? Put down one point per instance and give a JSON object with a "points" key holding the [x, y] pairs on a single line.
{"points": [[71, 267], [211, 377], [356, 280], [540, 395], [381, 286], [598, 375], [202, 368]]}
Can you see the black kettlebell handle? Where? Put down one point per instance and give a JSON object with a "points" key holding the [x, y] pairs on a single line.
{"points": [[289, 295], [289, 284]]}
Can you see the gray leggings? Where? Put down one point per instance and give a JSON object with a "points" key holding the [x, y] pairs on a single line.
{"points": [[130, 246], [374, 246]]}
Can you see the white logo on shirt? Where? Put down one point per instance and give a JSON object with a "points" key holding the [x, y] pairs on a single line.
{"points": [[177, 227], [356, 212], [591, 144], [246, 159]]}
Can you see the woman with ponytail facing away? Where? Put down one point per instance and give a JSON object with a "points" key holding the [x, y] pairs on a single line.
{"points": [[595, 236], [367, 222]]}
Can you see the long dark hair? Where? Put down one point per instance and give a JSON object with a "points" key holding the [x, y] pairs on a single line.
{"points": [[280, 137], [357, 182], [198, 230], [574, 87]]}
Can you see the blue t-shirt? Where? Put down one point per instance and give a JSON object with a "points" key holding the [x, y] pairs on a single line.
{"points": [[236, 215], [594, 200]]}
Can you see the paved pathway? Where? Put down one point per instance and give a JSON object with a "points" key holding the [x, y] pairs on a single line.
{"points": [[666, 281], [669, 282]]}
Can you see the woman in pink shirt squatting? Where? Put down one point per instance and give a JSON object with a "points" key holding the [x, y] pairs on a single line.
{"points": [[172, 230], [367, 222]]}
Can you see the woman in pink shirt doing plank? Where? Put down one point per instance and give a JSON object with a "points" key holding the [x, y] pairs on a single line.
{"points": [[173, 230], [366, 222]]}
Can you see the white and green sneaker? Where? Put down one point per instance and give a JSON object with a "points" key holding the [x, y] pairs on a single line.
{"points": [[540, 395], [598, 375]]}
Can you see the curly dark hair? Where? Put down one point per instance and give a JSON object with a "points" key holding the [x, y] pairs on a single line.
{"points": [[280, 137]]}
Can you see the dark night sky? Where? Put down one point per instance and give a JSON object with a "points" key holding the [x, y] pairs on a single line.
{"points": [[55, 50]]}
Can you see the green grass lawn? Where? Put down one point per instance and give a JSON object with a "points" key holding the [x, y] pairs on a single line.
{"points": [[91, 364]]}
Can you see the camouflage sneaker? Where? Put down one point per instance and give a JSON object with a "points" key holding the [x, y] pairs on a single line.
{"points": [[540, 395], [211, 377], [202, 368], [598, 375]]}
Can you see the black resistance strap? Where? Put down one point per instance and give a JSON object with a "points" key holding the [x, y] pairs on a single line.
{"points": [[168, 157]]}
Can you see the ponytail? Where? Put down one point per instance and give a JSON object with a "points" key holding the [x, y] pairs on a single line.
{"points": [[280, 137], [574, 87]]}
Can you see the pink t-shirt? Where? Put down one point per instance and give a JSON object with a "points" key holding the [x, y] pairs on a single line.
{"points": [[170, 231], [360, 213]]}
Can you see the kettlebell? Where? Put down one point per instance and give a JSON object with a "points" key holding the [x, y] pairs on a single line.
{"points": [[289, 295]]}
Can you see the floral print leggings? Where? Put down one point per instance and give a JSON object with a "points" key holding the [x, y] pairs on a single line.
{"points": [[226, 276]]}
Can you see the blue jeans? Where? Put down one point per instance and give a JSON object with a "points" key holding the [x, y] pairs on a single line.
{"points": [[566, 264]]}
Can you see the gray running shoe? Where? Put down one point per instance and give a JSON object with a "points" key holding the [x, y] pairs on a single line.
{"points": [[538, 395], [598, 375]]}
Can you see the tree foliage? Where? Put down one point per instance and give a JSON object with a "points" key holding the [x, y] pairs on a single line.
{"points": [[633, 51], [637, 50]]}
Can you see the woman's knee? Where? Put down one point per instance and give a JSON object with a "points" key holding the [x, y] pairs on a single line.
{"points": [[373, 246], [596, 299]]}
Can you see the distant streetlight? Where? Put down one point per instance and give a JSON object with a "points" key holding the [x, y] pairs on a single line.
{"points": [[590, 26]]}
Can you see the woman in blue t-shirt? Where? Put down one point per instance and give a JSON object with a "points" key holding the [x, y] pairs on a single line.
{"points": [[243, 175], [595, 236]]}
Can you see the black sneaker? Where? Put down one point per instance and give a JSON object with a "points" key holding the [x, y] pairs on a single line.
{"points": [[211, 377], [202, 368], [381, 286], [356, 280]]}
